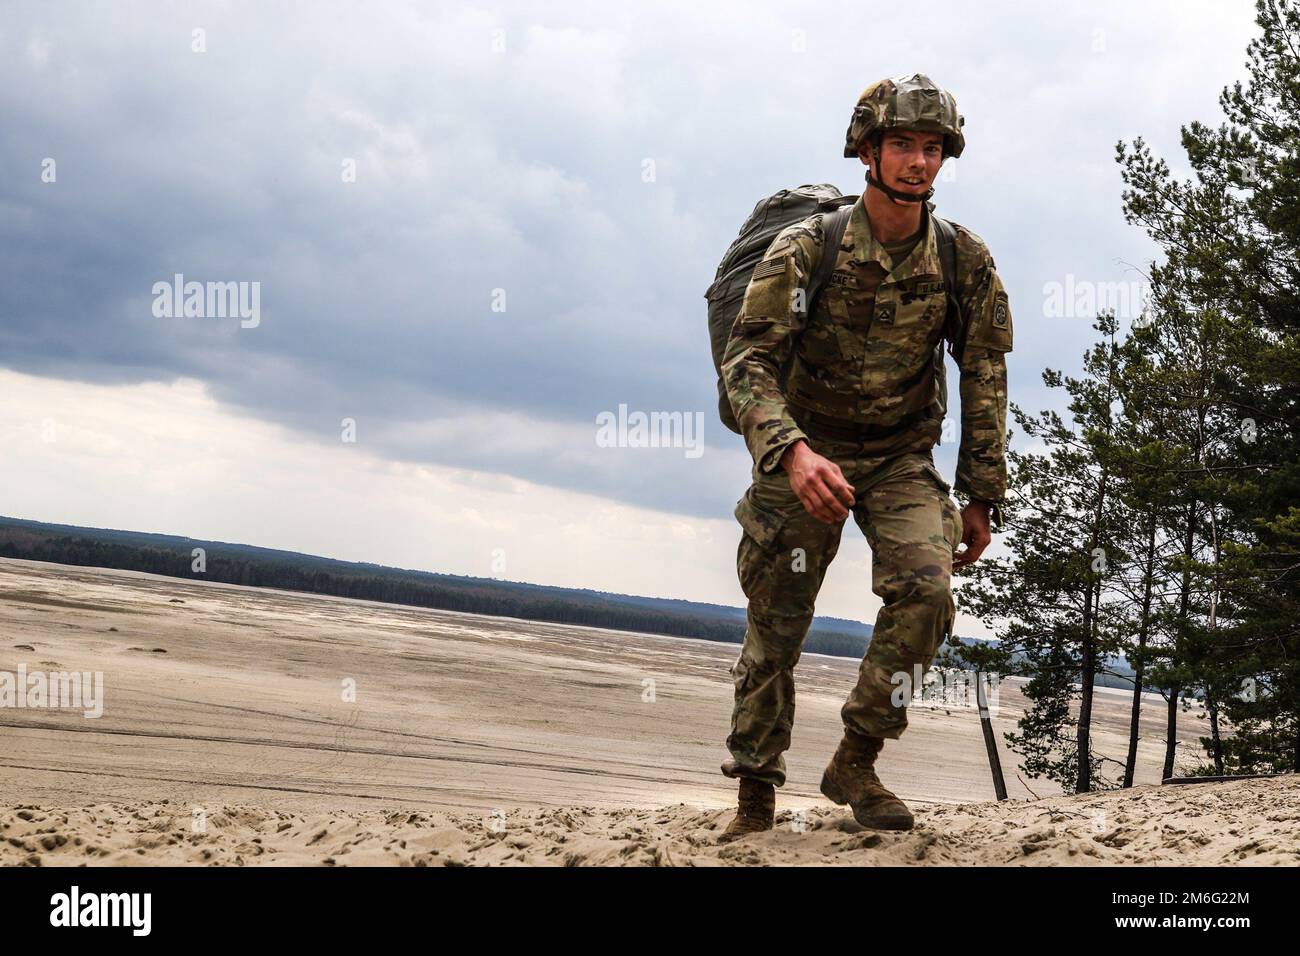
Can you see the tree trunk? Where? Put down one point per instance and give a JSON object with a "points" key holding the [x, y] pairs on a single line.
{"points": [[1171, 729], [1213, 707], [1149, 571], [1087, 673], [1130, 764], [1171, 734]]}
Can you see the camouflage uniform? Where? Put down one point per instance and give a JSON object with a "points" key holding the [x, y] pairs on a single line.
{"points": [[862, 390]]}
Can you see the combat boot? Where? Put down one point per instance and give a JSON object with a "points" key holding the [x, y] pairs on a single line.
{"points": [[756, 810], [851, 778]]}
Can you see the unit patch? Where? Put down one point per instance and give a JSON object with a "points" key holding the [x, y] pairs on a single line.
{"points": [[1000, 311]]}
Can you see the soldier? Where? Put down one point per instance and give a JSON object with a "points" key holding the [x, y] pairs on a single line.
{"points": [[840, 408]]}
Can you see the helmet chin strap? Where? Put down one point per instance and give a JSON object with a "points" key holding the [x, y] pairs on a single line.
{"points": [[873, 180]]}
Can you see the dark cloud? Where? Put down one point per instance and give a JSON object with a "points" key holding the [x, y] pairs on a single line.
{"points": [[522, 170]]}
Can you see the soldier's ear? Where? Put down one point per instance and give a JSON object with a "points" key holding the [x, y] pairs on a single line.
{"points": [[864, 154]]}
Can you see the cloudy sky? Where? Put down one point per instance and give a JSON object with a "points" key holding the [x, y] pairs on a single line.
{"points": [[476, 229]]}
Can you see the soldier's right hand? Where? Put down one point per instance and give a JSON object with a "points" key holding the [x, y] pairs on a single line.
{"points": [[819, 483]]}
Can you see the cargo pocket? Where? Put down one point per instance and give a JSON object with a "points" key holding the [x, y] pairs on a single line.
{"points": [[951, 516], [740, 674], [759, 551]]}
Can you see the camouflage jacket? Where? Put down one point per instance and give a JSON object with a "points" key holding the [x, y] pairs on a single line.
{"points": [[865, 354]]}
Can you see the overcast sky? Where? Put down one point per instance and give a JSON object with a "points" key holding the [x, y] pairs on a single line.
{"points": [[582, 165]]}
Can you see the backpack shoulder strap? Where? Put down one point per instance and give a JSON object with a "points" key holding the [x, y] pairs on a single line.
{"points": [[955, 321], [834, 222], [833, 225]]}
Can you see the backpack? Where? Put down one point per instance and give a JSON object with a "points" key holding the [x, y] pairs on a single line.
{"points": [[770, 216]]}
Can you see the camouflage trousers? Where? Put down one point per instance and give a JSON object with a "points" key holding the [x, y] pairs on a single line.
{"points": [[912, 526]]}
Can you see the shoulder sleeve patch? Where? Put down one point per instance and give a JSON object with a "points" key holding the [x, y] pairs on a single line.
{"points": [[991, 325], [771, 290], [1001, 312]]}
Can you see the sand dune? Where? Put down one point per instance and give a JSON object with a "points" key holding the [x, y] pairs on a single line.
{"points": [[292, 728], [1253, 822]]}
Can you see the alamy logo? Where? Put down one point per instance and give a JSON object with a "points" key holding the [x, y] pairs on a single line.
{"points": [[653, 430], [103, 909], [944, 688], [208, 300], [1083, 299], [65, 690]]}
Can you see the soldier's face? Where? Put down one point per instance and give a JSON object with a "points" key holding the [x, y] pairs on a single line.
{"points": [[909, 161]]}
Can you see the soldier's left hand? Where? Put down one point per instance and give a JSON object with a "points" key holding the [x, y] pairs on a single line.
{"points": [[975, 534]]}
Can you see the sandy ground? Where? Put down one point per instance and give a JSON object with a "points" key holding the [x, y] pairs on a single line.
{"points": [[252, 726]]}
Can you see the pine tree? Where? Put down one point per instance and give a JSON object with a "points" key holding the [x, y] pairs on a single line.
{"points": [[1051, 600], [1227, 303]]}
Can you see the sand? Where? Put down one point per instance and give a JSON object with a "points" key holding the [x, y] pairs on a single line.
{"points": [[252, 726]]}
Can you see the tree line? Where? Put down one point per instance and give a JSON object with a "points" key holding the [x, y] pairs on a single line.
{"points": [[262, 567]]}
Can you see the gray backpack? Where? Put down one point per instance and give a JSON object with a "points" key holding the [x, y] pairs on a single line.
{"points": [[769, 217]]}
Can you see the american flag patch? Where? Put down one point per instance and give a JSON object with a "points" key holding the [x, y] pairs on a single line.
{"points": [[772, 267]]}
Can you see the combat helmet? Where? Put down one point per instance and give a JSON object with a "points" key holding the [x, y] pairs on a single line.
{"points": [[903, 102]]}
